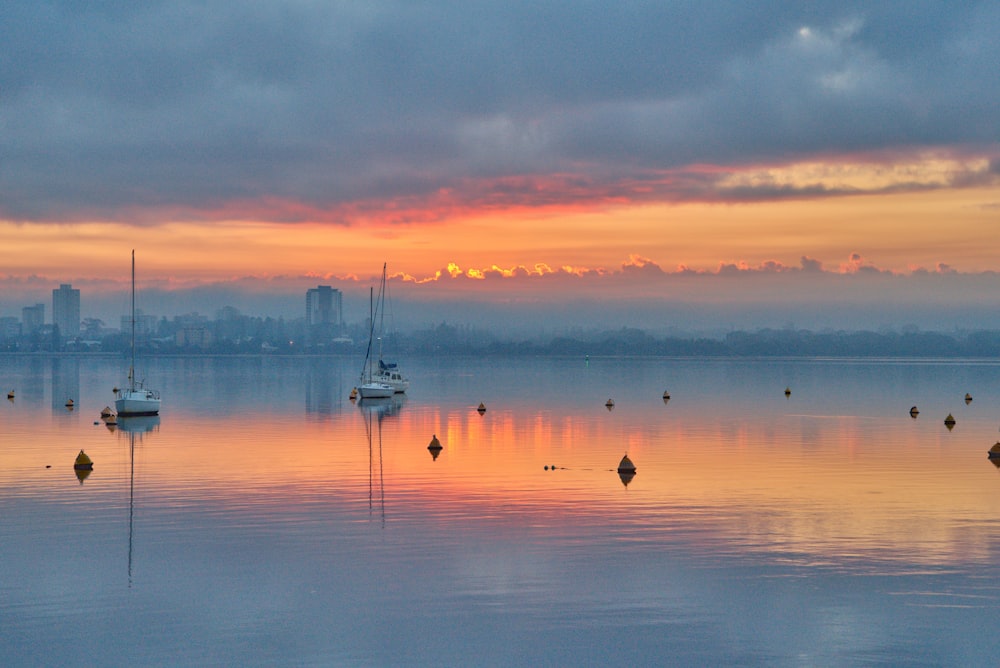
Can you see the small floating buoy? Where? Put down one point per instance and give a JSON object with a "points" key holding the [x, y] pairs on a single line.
{"points": [[106, 412], [482, 408], [354, 393], [83, 462], [10, 395], [434, 447], [914, 412], [788, 391], [949, 421], [114, 390], [666, 396], [994, 452], [69, 404], [626, 470], [610, 403], [968, 398], [111, 420]]}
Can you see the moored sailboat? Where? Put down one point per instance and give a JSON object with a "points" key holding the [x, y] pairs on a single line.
{"points": [[388, 373], [370, 388], [136, 399]]}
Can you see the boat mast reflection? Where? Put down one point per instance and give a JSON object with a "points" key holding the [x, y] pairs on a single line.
{"points": [[135, 427], [376, 410]]}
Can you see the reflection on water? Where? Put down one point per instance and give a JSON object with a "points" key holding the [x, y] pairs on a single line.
{"points": [[823, 527], [65, 383], [375, 410]]}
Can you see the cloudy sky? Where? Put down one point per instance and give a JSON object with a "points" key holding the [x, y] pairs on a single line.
{"points": [[825, 164]]}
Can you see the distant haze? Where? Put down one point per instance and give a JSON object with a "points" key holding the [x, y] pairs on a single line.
{"points": [[646, 298]]}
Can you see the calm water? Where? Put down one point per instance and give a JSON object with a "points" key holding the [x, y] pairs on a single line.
{"points": [[266, 519]]}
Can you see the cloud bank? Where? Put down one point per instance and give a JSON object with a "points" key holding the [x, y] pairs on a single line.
{"points": [[404, 112]]}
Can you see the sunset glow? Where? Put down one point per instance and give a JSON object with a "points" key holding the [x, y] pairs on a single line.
{"points": [[819, 143]]}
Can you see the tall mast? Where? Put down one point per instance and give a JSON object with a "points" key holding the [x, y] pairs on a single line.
{"points": [[381, 314], [131, 368], [367, 368]]}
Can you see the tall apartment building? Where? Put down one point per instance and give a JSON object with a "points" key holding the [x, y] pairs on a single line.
{"points": [[66, 310], [324, 313], [324, 306]]}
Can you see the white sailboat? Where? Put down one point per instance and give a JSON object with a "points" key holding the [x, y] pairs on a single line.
{"points": [[386, 379], [387, 372], [136, 399], [369, 387]]}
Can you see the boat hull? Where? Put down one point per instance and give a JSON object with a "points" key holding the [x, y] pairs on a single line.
{"points": [[376, 391], [137, 402]]}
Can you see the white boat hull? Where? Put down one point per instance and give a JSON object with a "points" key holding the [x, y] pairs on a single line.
{"points": [[137, 402], [376, 390]]}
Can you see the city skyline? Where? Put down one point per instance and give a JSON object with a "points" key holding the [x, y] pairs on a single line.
{"points": [[517, 165]]}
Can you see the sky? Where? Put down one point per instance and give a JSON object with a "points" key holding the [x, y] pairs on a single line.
{"points": [[676, 166]]}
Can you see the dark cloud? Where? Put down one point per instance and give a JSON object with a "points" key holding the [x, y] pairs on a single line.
{"points": [[183, 108]]}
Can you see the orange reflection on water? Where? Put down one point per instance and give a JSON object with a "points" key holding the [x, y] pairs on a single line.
{"points": [[811, 487]]}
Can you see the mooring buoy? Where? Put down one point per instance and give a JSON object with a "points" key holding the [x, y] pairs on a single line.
{"points": [[914, 412], [83, 462], [482, 408], [949, 421], [788, 391], [626, 470]]}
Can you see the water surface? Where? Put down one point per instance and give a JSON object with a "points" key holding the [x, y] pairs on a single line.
{"points": [[264, 518]]}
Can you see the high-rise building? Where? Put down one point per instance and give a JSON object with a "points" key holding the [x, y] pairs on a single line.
{"points": [[66, 310], [324, 306], [33, 318], [324, 314]]}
